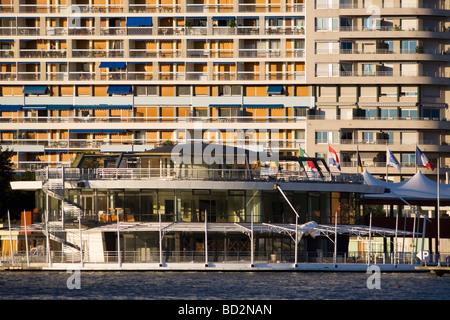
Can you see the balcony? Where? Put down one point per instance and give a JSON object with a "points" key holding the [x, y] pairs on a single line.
{"points": [[155, 53], [42, 8], [154, 8], [81, 31], [39, 53], [256, 7], [97, 53], [81, 76], [210, 53], [286, 75], [260, 53], [97, 8]]}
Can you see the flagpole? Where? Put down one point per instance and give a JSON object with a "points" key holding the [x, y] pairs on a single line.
{"points": [[437, 216], [357, 158], [415, 162]]}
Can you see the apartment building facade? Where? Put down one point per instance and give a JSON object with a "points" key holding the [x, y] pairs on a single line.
{"points": [[128, 75], [380, 78]]}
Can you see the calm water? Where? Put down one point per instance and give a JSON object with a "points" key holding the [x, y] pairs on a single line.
{"points": [[222, 286]]}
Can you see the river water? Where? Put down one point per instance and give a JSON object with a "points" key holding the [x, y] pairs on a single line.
{"points": [[165, 285]]}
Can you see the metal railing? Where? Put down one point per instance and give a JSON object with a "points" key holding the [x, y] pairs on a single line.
{"points": [[152, 255], [263, 174], [133, 119]]}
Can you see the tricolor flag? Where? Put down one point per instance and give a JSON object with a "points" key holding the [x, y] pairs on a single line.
{"points": [[422, 159], [333, 159], [310, 164], [391, 160]]}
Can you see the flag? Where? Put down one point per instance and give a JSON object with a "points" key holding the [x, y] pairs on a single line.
{"points": [[391, 160], [422, 159], [333, 159], [310, 164], [360, 164]]}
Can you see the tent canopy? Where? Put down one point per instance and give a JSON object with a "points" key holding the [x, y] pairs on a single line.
{"points": [[417, 190]]}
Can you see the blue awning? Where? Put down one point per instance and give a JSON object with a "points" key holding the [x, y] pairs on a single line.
{"points": [[113, 65], [224, 18], [274, 89], [59, 107], [114, 131], [10, 107], [263, 106], [118, 90], [35, 89], [139, 22], [35, 107]]}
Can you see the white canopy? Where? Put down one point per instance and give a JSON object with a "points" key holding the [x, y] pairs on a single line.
{"points": [[418, 188]]}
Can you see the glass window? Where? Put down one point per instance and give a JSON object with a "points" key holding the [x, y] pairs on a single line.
{"points": [[431, 113], [370, 113], [321, 137], [388, 113], [408, 159], [368, 137], [409, 46], [409, 114], [368, 70]]}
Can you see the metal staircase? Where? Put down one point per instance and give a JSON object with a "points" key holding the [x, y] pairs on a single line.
{"points": [[53, 185]]}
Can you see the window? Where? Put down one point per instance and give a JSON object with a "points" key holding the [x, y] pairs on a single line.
{"points": [[409, 46], [408, 160], [327, 137], [368, 137], [327, 24], [409, 114], [368, 70], [371, 24], [370, 113], [387, 46], [388, 113], [300, 112], [321, 137], [431, 113]]}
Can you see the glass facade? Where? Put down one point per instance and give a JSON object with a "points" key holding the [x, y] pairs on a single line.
{"points": [[232, 206]]}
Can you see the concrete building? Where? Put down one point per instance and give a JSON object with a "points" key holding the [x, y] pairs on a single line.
{"points": [[108, 76]]}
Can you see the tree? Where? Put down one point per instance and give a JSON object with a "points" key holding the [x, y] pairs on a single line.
{"points": [[6, 175]]}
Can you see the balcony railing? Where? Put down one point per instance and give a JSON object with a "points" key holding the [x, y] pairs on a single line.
{"points": [[28, 76], [41, 8], [436, 74], [99, 8], [135, 119], [260, 53], [72, 143], [97, 53], [154, 8], [155, 53], [76, 174], [81, 31], [225, 7], [39, 53]]}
